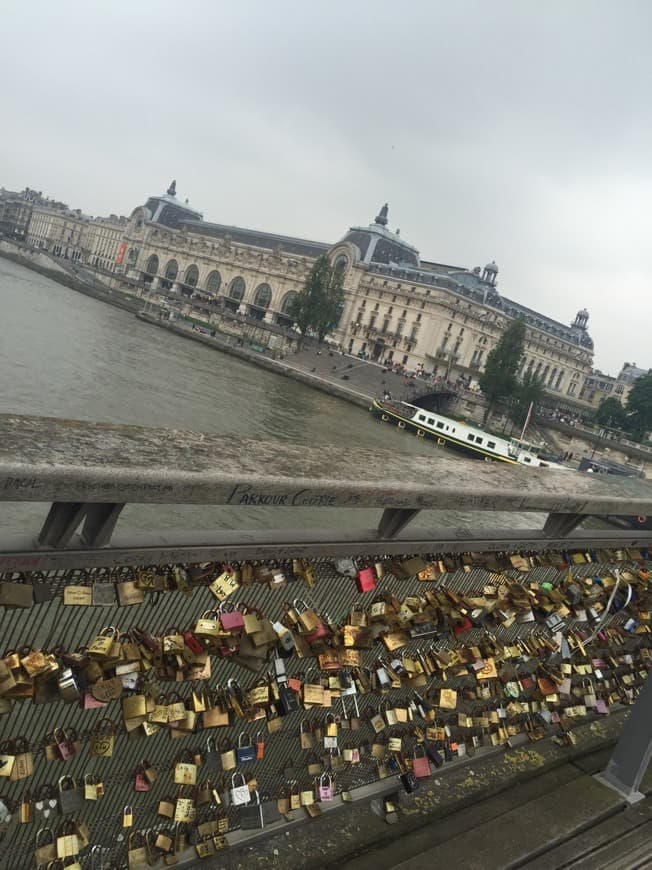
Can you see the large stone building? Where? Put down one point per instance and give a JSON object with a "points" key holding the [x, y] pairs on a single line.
{"points": [[445, 319], [399, 308], [170, 247]]}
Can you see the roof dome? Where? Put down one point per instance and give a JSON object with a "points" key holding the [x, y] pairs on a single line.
{"points": [[491, 267], [377, 244], [169, 211]]}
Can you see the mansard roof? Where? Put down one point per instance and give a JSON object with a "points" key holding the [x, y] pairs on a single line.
{"points": [[256, 238]]}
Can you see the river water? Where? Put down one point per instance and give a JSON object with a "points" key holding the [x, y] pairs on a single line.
{"points": [[63, 354]]}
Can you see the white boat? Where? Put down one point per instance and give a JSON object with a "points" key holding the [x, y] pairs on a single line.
{"points": [[461, 436]]}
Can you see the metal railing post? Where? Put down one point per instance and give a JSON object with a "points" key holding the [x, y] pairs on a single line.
{"points": [[630, 758]]}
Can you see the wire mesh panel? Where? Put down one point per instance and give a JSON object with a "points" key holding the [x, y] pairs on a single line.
{"points": [[450, 653]]}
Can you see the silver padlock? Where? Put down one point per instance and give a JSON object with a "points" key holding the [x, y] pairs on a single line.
{"points": [[68, 686]]}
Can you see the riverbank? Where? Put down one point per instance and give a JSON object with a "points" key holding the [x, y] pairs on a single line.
{"points": [[338, 375]]}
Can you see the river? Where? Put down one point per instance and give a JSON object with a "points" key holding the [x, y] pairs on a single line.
{"points": [[63, 354]]}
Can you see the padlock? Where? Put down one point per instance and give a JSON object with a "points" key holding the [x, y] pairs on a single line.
{"points": [[93, 787], [68, 684], [288, 700], [239, 792], [325, 787], [101, 739], [185, 769], [260, 746], [71, 796], [65, 744], [26, 809], [102, 646], [141, 783], [284, 636], [127, 816], [245, 752], [227, 756]]}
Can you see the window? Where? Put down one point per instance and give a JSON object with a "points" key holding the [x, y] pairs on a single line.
{"points": [[422, 418], [431, 421], [491, 444], [213, 282], [471, 437], [237, 289], [440, 425], [418, 318], [478, 440], [263, 296]]}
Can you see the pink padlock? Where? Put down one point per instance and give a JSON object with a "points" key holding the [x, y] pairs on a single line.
{"points": [[325, 791], [140, 781], [231, 620]]}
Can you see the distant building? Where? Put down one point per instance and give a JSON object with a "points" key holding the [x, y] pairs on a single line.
{"points": [[77, 237], [630, 373], [15, 214]]}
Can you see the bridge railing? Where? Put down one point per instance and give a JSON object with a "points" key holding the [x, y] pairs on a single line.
{"points": [[87, 473]]}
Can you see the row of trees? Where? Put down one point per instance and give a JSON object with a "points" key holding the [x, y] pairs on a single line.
{"points": [[500, 383]]}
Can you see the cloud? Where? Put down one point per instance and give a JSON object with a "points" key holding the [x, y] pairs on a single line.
{"points": [[504, 130]]}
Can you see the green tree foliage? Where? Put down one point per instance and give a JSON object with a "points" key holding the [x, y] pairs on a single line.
{"points": [[611, 413], [499, 378], [318, 304], [639, 407], [530, 390]]}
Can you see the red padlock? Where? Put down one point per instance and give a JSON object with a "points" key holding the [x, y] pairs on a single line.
{"points": [[366, 580], [192, 642]]}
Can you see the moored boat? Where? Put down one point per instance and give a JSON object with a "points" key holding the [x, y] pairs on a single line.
{"points": [[461, 436]]}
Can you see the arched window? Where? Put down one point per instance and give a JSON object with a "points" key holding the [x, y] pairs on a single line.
{"points": [[237, 289], [288, 300], [263, 296], [213, 282], [152, 265], [192, 276], [171, 270]]}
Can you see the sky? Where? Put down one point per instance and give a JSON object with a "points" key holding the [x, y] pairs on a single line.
{"points": [[506, 130]]}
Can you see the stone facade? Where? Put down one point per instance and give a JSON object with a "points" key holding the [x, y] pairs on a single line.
{"points": [[100, 242], [243, 271], [423, 315], [445, 319], [75, 236]]}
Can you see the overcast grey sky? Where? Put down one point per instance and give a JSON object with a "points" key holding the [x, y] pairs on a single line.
{"points": [[514, 130]]}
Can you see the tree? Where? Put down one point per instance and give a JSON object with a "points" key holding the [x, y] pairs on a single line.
{"points": [[317, 306], [611, 413], [529, 391], [639, 407], [499, 378]]}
